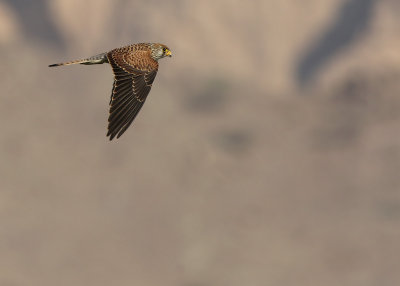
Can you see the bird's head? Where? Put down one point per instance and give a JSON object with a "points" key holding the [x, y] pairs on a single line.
{"points": [[159, 51]]}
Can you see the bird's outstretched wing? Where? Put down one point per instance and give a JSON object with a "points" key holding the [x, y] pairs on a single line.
{"points": [[133, 79]]}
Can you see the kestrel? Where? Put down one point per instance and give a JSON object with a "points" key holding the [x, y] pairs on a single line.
{"points": [[135, 68]]}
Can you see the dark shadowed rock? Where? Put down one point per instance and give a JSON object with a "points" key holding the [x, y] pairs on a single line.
{"points": [[34, 18], [351, 21]]}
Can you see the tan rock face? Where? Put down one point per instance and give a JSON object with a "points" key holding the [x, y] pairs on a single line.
{"points": [[9, 30]]}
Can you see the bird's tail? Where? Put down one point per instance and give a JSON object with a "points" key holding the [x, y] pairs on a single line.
{"points": [[98, 59]]}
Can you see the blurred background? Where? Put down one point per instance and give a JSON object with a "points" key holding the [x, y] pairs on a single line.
{"points": [[268, 151]]}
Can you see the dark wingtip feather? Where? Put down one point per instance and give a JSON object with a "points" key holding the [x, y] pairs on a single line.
{"points": [[111, 135], [54, 65]]}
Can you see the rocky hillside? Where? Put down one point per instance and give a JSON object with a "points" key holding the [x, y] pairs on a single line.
{"points": [[267, 153]]}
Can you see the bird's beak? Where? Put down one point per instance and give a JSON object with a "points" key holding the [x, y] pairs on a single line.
{"points": [[168, 53]]}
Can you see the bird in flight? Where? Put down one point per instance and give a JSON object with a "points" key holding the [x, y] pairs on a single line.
{"points": [[135, 68]]}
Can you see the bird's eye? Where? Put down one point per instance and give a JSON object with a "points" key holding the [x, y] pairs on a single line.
{"points": [[164, 50]]}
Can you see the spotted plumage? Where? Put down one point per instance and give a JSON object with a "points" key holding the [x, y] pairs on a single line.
{"points": [[135, 68]]}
